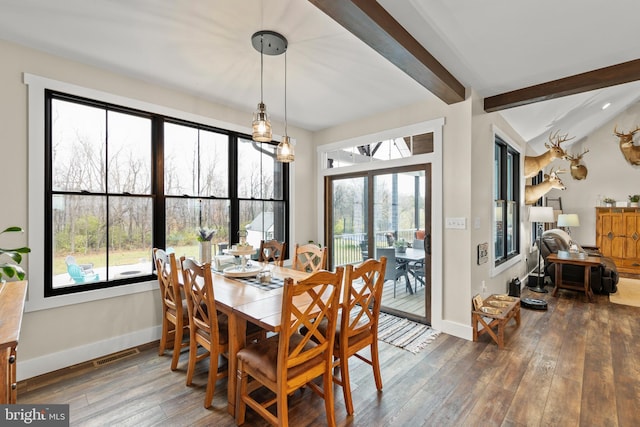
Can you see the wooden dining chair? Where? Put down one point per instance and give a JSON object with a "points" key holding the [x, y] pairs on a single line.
{"points": [[175, 318], [286, 362], [358, 328], [206, 329], [272, 251], [310, 258]]}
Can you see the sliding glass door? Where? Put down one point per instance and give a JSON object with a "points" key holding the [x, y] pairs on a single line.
{"points": [[386, 213]]}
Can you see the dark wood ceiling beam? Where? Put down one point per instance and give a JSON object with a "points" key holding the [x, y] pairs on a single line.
{"points": [[372, 24], [591, 80]]}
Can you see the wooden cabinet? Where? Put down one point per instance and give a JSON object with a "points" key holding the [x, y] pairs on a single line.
{"points": [[618, 236], [12, 296]]}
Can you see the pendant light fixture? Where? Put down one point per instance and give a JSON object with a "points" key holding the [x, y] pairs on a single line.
{"points": [[270, 43], [284, 153]]}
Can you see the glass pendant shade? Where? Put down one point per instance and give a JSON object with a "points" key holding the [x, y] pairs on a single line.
{"points": [[261, 125], [285, 152]]}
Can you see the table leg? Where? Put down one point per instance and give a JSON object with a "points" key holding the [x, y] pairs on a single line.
{"points": [[558, 279], [237, 341], [587, 284]]}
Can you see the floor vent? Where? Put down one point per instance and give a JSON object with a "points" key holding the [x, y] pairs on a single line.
{"points": [[115, 357]]}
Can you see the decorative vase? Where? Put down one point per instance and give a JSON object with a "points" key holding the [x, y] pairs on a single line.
{"points": [[633, 204], [205, 251]]}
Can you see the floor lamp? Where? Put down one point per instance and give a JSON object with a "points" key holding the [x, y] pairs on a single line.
{"points": [[540, 215]]}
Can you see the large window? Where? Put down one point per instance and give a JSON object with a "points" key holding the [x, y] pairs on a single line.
{"points": [[121, 181], [506, 201]]}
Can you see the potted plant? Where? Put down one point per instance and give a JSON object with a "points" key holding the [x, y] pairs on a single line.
{"points": [[608, 201], [401, 246], [204, 237], [634, 199], [10, 268]]}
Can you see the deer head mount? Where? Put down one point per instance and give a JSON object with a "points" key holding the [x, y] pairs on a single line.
{"points": [[533, 192], [629, 151], [578, 171], [534, 164]]}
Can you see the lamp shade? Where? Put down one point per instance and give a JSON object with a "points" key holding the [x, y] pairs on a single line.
{"points": [[284, 152], [541, 214], [568, 220]]}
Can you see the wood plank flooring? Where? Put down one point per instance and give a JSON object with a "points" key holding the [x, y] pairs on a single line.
{"points": [[577, 364]]}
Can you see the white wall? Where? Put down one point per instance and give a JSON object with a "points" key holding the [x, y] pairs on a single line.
{"points": [[58, 337], [610, 175], [457, 185], [482, 205]]}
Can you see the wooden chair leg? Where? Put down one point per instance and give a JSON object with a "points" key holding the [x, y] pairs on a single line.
{"points": [[375, 363], [177, 345], [211, 379], [241, 390], [282, 408], [327, 380], [346, 384], [193, 351], [163, 338]]}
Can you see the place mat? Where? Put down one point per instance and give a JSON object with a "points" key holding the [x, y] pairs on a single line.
{"points": [[275, 283]]}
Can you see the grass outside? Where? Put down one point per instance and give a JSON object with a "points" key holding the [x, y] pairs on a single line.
{"points": [[117, 257]]}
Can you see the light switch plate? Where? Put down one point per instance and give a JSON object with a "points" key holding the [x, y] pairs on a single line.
{"points": [[456, 223]]}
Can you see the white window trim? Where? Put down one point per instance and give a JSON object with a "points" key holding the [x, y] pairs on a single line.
{"points": [[496, 270], [36, 86]]}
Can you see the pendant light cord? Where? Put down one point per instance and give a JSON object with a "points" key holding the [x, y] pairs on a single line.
{"points": [[261, 68], [285, 94]]}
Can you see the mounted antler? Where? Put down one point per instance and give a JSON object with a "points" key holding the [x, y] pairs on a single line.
{"points": [[578, 171], [533, 192], [532, 165], [557, 139], [629, 151]]}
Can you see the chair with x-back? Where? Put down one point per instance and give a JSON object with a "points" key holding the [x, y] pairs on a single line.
{"points": [[175, 318], [309, 258], [357, 326], [205, 329], [272, 251], [286, 362]]}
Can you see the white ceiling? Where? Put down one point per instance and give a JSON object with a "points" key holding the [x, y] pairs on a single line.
{"points": [[203, 47]]}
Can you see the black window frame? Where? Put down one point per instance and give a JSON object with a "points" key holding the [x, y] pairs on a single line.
{"points": [[508, 189], [157, 187]]}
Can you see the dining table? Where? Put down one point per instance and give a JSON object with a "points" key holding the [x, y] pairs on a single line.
{"points": [[242, 303]]}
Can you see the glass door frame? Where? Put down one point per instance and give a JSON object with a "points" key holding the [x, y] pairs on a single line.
{"points": [[369, 175]]}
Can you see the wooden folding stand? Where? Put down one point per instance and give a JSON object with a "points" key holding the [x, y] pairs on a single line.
{"points": [[500, 309]]}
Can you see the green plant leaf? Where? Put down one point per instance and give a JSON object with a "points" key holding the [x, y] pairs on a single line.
{"points": [[10, 229]]}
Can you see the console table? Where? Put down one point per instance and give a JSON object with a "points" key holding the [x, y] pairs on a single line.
{"points": [[12, 296], [586, 261]]}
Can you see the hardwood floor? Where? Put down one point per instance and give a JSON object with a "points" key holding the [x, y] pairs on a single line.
{"points": [[576, 364]]}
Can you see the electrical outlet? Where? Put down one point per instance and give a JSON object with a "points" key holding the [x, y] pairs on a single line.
{"points": [[484, 287]]}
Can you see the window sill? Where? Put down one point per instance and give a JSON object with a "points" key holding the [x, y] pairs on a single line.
{"points": [[496, 270], [40, 303]]}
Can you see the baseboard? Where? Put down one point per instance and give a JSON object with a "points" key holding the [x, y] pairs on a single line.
{"points": [[457, 330], [63, 359]]}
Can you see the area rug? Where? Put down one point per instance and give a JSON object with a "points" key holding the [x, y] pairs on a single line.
{"points": [[628, 292], [404, 333]]}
